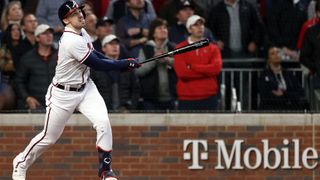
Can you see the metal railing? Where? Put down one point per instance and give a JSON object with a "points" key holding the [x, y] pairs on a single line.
{"points": [[243, 75]]}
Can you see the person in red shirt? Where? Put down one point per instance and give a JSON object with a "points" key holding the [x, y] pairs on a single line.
{"points": [[197, 70]]}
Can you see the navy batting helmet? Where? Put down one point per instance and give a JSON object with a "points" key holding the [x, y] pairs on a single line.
{"points": [[67, 8]]}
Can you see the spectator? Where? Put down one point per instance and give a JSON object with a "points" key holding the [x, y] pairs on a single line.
{"points": [[104, 27], [197, 71], [29, 24], [35, 72], [308, 24], [170, 8], [157, 78], [91, 21], [132, 28], [284, 21], [9, 53], [280, 89], [88, 7], [120, 90], [309, 57], [12, 13], [158, 4], [47, 14], [11, 45], [236, 26], [179, 32], [119, 8]]}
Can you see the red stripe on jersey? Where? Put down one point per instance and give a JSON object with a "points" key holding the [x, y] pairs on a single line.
{"points": [[45, 130], [85, 57]]}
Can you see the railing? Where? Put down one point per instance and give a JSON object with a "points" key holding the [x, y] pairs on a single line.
{"points": [[247, 79]]}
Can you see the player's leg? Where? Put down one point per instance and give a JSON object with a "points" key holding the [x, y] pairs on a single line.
{"points": [[94, 108], [55, 120]]}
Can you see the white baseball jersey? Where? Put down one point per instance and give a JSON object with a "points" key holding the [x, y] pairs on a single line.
{"points": [[73, 50]]}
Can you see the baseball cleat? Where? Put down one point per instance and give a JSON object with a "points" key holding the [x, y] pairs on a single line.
{"points": [[18, 172], [109, 175]]}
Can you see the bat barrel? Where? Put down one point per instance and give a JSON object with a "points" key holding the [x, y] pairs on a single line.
{"points": [[181, 50]]}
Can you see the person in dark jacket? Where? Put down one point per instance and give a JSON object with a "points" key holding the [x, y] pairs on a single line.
{"points": [[283, 21], [157, 78], [178, 32], [236, 26], [36, 70], [120, 90], [280, 89], [310, 58]]}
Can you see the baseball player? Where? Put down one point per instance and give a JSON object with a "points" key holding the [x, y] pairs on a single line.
{"points": [[72, 89]]}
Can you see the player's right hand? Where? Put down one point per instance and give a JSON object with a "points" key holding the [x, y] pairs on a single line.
{"points": [[132, 63]]}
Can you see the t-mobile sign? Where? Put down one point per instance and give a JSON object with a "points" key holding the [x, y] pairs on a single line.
{"points": [[234, 159]]}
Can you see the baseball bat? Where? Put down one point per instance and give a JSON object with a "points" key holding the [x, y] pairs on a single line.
{"points": [[183, 49]]}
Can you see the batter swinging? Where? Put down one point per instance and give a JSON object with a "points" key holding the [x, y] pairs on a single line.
{"points": [[71, 89]]}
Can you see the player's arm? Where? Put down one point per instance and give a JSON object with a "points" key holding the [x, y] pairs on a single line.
{"points": [[101, 63]]}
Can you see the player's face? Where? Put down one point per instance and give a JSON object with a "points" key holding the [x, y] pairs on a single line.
{"points": [[161, 32], [197, 30], [112, 49], [76, 19]]}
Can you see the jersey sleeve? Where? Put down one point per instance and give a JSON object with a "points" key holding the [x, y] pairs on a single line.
{"points": [[80, 49]]}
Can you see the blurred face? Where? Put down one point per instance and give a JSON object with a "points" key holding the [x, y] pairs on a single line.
{"points": [[76, 20], [15, 12], [184, 14], [161, 32], [15, 32], [87, 9], [112, 49], [105, 30], [136, 4], [30, 23], [274, 56], [45, 39], [91, 21], [197, 30]]}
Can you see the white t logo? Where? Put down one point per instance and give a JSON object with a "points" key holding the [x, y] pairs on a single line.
{"points": [[195, 152]]}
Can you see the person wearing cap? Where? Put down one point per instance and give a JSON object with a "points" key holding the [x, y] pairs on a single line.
{"points": [[36, 70], [197, 71], [119, 89], [72, 89], [169, 10], [157, 78], [178, 32], [104, 27]]}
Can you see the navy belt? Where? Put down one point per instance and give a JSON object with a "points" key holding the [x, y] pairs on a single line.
{"points": [[77, 89]]}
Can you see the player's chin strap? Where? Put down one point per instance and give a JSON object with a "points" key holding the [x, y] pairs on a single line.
{"points": [[104, 161]]}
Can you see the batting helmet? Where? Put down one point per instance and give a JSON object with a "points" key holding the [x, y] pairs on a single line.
{"points": [[67, 8]]}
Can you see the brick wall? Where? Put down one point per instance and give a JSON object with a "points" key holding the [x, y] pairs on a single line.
{"points": [[152, 152]]}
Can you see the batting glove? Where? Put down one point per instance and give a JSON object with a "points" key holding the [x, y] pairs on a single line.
{"points": [[132, 63]]}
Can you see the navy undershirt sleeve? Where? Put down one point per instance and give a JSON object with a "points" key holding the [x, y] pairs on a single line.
{"points": [[100, 63]]}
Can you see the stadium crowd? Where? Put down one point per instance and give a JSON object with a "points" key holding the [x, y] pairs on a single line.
{"points": [[274, 30]]}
